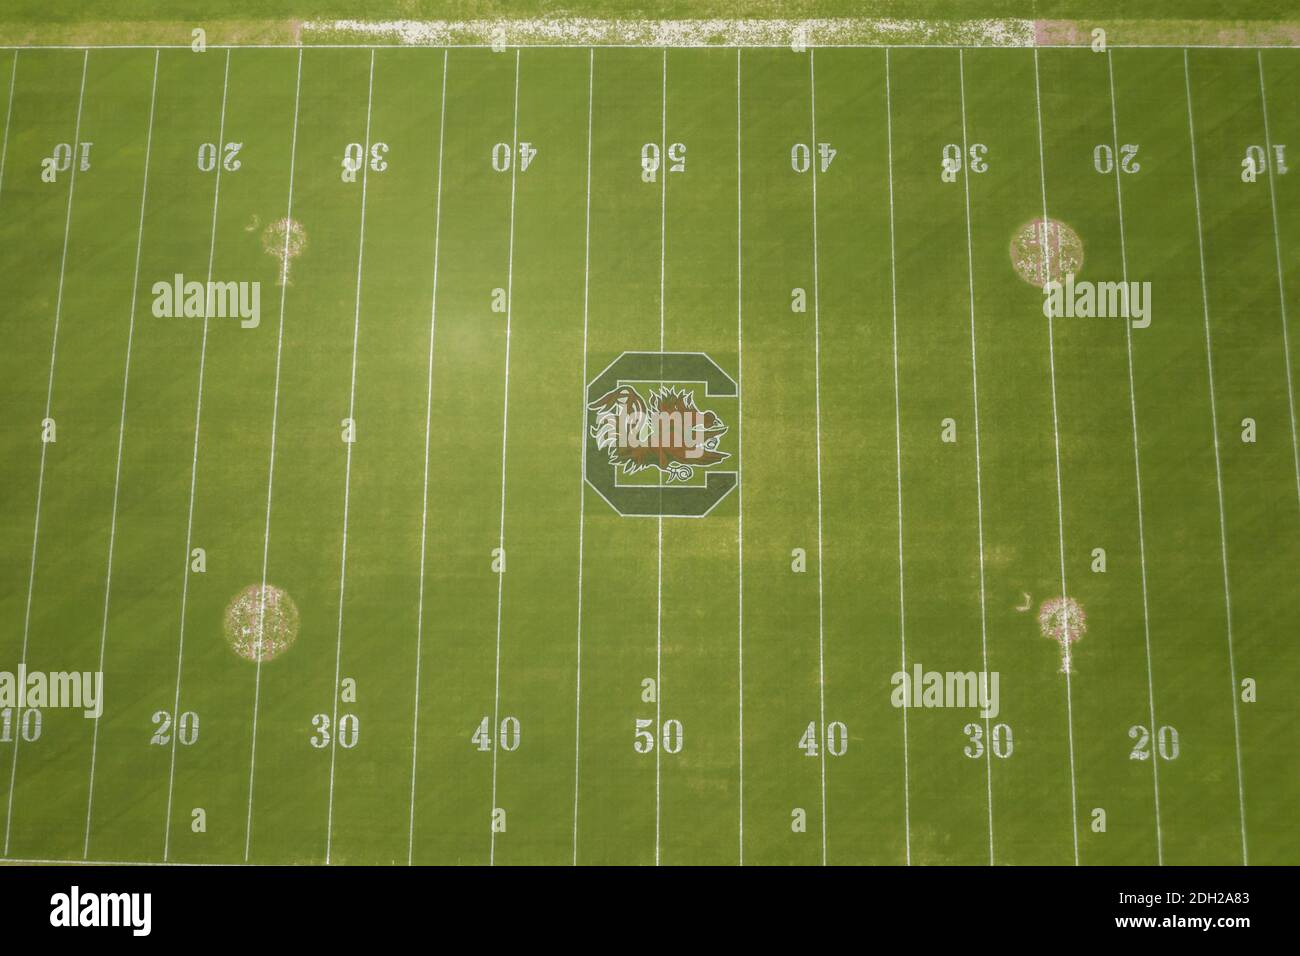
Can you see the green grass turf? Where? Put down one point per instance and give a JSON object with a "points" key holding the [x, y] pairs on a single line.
{"points": [[819, 465]]}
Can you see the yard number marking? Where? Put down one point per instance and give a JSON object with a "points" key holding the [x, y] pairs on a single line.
{"points": [[1103, 159], [643, 741], [187, 728], [349, 731], [951, 161], [801, 157], [837, 739], [502, 156], [650, 160], [229, 158], [1166, 743], [508, 737], [1003, 744], [60, 160], [29, 725], [354, 158]]}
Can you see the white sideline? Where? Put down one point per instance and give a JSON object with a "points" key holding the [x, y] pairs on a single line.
{"points": [[1270, 160], [817, 393], [898, 458], [9, 112], [443, 47], [505, 420], [49, 400], [975, 401], [1218, 468], [582, 479], [659, 521], [194, 472], [121, 441], [347, 469], [740, 488], [424, 499], [1137, 463], [1056, 448], [270, 468]]}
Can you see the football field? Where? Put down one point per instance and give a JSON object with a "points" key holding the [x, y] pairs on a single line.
{"points": [[368, 580]]}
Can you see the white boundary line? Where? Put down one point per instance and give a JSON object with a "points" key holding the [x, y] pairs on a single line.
{"points": [[49, 401], [9, 112], [898, 458], [121, 441], [270, 468], [505, 420], [740, 498], [1218, 468], [582, 478], [979, 481], [659, 519], [1137, 462], [1281, 285], [817, 393], [194, 472], [424, 499], [643, 46], [1056, 449], [347, 468]]}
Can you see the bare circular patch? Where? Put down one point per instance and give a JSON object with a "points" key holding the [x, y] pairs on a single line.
{"points": [[261, 630], [284, 240], [1042, 253], [1062, 619]]}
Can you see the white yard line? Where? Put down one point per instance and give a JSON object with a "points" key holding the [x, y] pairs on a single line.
{"points": [[121, 441], [9, 112], [979, 468], [582, 477], [898, 457], [505, 421], [270, 468], [1218, 468], [424, 499], [1056, 448], [49, 401], [740, 494], [194, 471], [817, 394], [1270, 160], [659, 521], [1137, 462], [347, 468]]}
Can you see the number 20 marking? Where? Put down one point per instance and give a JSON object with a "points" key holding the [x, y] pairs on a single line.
{"points": [[1166, 743], [1103, 158], [187, 728]]}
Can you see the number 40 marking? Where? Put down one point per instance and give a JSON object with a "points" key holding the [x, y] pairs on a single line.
{"points": [[801, 157], [837, 739], [502, 154], [508, 738]]}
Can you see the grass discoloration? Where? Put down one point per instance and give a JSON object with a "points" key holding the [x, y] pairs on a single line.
{"points": [[260, 625]]}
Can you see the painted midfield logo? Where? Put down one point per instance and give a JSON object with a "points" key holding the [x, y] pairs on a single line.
{"points": [[651, 448]]}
